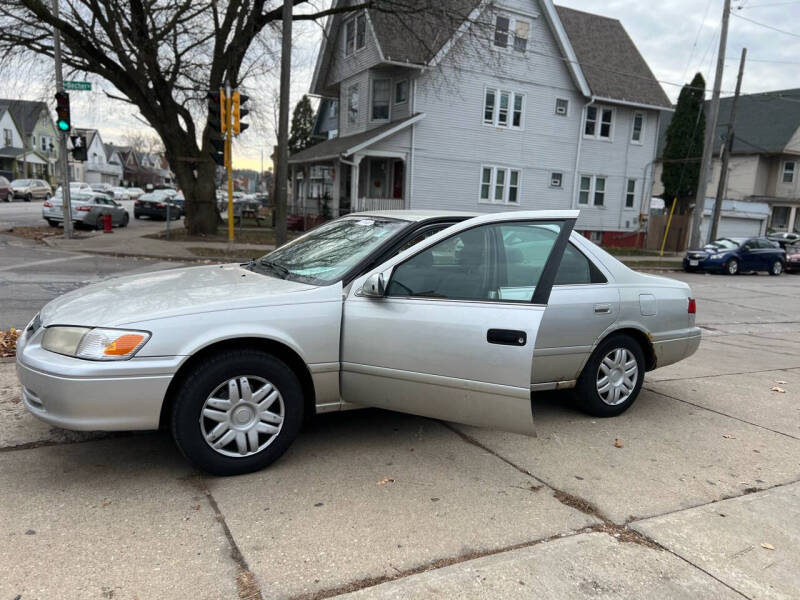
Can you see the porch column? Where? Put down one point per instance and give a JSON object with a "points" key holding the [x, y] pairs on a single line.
{"points": [[354, 176], [335, 188]]}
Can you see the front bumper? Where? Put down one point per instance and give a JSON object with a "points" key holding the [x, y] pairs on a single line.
{"points": [[704, 264], [92, 396], [792, 265]]}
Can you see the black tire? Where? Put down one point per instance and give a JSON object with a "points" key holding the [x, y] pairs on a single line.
{"points": [[732, 267], [205, 377], [586, 390], [125, 220], [135, 216], [29, 197], [52, 223], [776, 268]]}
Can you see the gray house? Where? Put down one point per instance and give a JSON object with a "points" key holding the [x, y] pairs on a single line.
{"points": [[764, 165], [486, 106]]}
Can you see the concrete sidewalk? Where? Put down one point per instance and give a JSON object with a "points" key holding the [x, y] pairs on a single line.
{"points": [[133, 242]]}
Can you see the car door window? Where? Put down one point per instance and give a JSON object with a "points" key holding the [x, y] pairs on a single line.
{"points": [[576, 269], [496, 262]]}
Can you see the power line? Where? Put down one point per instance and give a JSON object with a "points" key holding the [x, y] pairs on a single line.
{"points": [[765, 25], [768, 4], [766, 60]]}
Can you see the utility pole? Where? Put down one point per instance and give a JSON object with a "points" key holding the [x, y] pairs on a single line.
{"points": [[229, 157], [726, 150], [62, 135], [282, 170], [711, 127]]}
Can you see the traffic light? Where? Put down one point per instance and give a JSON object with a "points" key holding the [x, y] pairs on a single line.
{"points": [[79, 149], [62, 111], [217, 111], [218, 154], [239, 112]]}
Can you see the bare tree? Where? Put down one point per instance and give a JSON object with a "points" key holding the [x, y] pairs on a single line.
{"points": [[162, 56]]}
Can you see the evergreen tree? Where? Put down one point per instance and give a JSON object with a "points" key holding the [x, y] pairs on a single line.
{"points": [[684, 146], [302, 125]]}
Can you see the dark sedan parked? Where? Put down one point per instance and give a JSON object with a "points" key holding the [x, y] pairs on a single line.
{"points": [[154, 205], [734, 255]]}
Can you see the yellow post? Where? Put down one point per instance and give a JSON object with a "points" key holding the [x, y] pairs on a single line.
{"points": [[669, 222], [229, 160]]}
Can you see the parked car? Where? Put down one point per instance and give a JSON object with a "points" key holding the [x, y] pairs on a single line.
{"points": [[784, 238], [735, 255], [74, 188], [154, 205], [29, 189], [135, 192], [792, 259], [427, 312], [179, 201], [103, 188], [121, 193], [87, 210], [5, 189]]}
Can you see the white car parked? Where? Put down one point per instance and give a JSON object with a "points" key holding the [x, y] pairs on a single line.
{"points": [[431, 313]]}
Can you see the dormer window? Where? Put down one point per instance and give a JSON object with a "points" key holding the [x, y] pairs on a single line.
{"points": [[512, 33], [355, 34]]}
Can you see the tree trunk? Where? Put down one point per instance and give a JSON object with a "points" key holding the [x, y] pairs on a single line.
{"points": [[200, 192]]}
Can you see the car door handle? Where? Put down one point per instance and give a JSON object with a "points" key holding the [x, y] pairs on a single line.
{"points": [[506, 337], [602, 309]]}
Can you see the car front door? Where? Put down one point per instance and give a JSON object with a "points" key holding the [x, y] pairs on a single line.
{"points": [[452, 335], [751, 259]]}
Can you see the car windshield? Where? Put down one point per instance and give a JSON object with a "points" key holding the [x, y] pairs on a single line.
{"points": [[325, 254], [725, 244], [21, 182]]}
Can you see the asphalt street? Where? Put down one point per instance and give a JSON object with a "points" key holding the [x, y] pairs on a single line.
{"points": [[29, 214], [32, 274], [692, 493]]}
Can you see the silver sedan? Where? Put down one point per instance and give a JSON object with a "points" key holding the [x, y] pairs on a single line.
{"points": [[445, 315], [88, 210]]}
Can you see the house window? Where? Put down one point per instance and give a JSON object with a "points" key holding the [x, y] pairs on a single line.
{"points": [[630, 193], [500, 185], [401, 91], [500, 107], [7, 139], [594, 188], [556, 180], [511, 32], [334, 109], [380, 99], [352, 104], [788, 171], [562, 105], [355, 34], [638, 124], [598, 122]]}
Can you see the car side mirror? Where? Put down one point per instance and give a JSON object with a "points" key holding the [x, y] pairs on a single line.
{"points": [[374, 286]]}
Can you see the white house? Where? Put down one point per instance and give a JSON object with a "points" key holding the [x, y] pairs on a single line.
{"points": [[98, 168], [516, 104]]}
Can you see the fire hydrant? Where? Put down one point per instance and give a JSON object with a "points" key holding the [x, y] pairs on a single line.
{"points": [[107, 224]]}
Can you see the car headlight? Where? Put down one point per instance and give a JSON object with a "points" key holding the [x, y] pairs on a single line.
{"points": [[94, 343], [717, 256]]}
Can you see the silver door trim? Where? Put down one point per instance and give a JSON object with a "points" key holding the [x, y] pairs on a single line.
{"points": [[553, 385]]}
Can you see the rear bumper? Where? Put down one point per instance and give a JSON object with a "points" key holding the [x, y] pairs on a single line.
{"points": [[77, 216], [673, 350]]}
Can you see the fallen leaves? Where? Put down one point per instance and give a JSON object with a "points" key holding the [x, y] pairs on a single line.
{"points": [[781, 382], [767, 546], [618, 443], [728, 436], [8, 342], [775, 388], [385, 480]]}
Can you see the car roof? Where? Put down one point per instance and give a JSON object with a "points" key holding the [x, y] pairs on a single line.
{"points": [[415, 215]]}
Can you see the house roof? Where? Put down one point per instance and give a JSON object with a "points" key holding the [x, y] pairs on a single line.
{"points": [[10, 152], [609, 59], [765, 122], [347, 145], [598, 51], [25, 113]]}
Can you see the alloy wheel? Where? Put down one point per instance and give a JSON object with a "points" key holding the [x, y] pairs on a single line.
{"points": [[733, 267], [777, 268], [242, 416], [617, 376]]}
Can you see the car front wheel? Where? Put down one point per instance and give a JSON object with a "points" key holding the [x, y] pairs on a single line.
{"points": [[732, 268], [237, 412], [612, 378], [776, 268]]}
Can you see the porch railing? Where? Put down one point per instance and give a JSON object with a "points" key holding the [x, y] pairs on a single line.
{"points": [[379, 204]]}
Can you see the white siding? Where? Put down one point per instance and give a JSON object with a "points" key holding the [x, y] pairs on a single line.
{"points": [[343, 67], [6, 122]]}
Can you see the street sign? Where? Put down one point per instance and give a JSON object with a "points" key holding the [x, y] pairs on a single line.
{"points": [[84, 86]]}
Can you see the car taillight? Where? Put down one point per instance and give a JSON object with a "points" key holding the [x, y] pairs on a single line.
{"points": [[160, 205], [84, 208], [47, 204], [137, 203], [692, 306]]}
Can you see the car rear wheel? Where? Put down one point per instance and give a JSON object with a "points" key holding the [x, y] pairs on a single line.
{"points": [[125, 220], [237, 412], [776, 268], [52, 223], [612, 378], [732, 268], [29, 197]]}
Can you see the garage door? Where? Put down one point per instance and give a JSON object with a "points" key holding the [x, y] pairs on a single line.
{"points": [[733, 227]]}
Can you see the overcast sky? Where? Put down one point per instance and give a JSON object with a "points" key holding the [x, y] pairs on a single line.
{"points": [[676, 37]]}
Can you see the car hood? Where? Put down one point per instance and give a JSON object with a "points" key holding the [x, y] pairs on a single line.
{"points": [[173, 292]]}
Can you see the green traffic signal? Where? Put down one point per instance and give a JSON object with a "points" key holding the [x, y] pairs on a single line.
{"points": [[63, 126], [62, 111]]}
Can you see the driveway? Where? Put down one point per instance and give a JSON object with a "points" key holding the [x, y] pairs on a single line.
{"points": [[692, 493]]}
